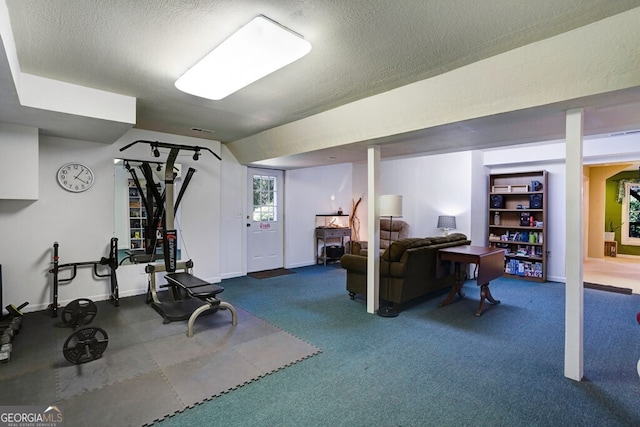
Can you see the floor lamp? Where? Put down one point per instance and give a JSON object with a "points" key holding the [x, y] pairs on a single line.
{"points": [[390, 206]]}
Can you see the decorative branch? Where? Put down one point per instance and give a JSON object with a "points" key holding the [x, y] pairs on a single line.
{"points": [[354, 221]]}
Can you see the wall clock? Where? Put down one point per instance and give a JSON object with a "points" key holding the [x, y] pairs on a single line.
{"points": [[75, 177]]}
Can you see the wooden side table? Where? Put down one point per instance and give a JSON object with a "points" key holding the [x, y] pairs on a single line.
{"points": [[490, 263], [611, 248], [324, 233]]}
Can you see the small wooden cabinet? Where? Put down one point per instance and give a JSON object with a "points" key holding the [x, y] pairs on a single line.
{"points": [[518, 222], [331, 231], [611, 248]]}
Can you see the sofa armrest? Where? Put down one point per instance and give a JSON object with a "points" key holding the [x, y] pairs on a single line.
{"points": [[354, 263], [358, 264], [357, 246]]}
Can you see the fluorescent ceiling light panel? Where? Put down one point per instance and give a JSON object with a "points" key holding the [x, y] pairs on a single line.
{"points": [[254, 51]]}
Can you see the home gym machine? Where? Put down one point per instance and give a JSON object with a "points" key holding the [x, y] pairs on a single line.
{"points": [[88, 343], [153, 202], [190, 296]]}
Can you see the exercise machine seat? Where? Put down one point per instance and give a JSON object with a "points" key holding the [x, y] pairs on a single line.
{"points": [[198, 290], [195, 287]]}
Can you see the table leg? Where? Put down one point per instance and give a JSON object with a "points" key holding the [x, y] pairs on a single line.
{"points": [[485, 293], [457, 286]]}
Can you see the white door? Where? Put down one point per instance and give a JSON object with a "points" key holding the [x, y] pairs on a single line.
{"points": [[265, 237]]}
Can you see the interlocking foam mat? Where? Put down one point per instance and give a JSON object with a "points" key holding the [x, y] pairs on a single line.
{"points": [[149, 370]]}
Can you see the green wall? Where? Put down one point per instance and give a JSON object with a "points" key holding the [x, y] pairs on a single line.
{"points": [[613, 209]]}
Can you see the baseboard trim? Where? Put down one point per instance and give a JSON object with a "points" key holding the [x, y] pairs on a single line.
{"points": [[608, 288], [299, 264], [232, 275], [627, 256]]}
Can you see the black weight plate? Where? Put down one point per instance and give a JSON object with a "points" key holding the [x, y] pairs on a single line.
{"points": [[85, 345], [78, 312]]}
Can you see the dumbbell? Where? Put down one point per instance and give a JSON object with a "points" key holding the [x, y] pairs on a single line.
{"points": [[8, 331], [9, 328], [6, 336], [5, 353], [13, 323]]}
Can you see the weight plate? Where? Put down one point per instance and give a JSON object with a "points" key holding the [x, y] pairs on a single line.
{"points": [[85, 345], [79, 312]]}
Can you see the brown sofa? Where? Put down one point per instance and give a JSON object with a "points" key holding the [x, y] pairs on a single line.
{"points": [[408, 268]]}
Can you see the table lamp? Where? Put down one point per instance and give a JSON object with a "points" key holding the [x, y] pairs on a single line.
{"points": [[447, 222]]}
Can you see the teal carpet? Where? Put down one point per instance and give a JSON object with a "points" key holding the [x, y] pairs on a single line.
{"points": [[433, 366]]}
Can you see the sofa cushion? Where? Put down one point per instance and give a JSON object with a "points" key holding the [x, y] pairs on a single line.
{"points": [[397, 248], [454, 237]]}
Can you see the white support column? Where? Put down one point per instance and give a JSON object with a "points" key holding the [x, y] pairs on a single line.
{"points": [[373, 229], [574, 288]]}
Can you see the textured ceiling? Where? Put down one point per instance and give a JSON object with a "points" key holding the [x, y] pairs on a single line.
{"points": [[360, 48]]}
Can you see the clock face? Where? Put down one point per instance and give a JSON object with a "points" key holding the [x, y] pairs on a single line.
{"points": [[75, 177]]}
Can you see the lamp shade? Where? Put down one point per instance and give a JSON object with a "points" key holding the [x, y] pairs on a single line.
{"points": [[447, 222], [391, 205]]}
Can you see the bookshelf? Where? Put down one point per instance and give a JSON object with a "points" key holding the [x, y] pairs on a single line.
{"points": [[518, 222]]}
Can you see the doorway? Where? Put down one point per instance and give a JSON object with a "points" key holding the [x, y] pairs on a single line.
{"points": [[265, 225], [600, 209]]}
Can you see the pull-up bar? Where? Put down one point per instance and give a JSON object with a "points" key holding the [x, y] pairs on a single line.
{"points": [[158, 144]]}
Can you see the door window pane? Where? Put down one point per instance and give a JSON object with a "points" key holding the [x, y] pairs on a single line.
{"points": [[264, 198]]}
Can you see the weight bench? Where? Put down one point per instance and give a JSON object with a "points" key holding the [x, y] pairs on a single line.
{"points": [[205, 291], [201, 296]]}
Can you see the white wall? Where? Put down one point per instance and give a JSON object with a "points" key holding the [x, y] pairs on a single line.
{"points": [[233, 181], [83, 224], [307, 193], [479, 200], [430, 186], [18, 162]]}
